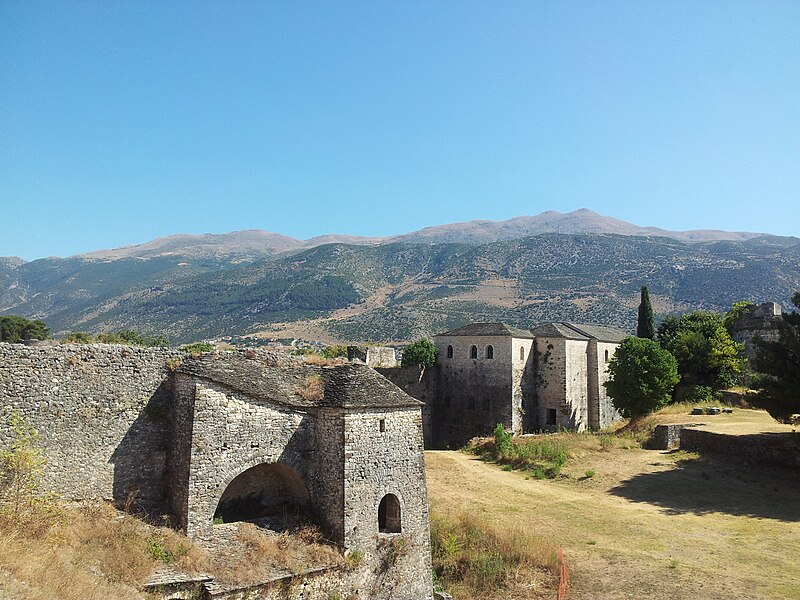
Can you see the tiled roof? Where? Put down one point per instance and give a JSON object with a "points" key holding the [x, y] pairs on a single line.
{"points": [[345, 385], [579, 331], [488, 329]]}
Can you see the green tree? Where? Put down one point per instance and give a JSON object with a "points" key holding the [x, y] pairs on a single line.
{"points": [[16, 329], [421, 353], [21, 466], [334, 351], [644, 325], [642, 377], [705, 351], [780, 363]]}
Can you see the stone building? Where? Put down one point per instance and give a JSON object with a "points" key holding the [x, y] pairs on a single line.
{"points": [[757, 321], [235, 436], [542, 379]]}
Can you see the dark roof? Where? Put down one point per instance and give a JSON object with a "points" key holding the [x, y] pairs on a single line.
{"points": [[345, 385], [579, 331], [488, 329]]}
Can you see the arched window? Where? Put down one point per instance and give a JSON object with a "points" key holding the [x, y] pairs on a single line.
{"points": [[473, 352], [389, 514], [606, 355], [522, 353], [490, 351], [449, 352]]}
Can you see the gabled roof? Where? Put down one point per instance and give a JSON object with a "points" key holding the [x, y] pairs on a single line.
{"points": [[579, 331], [345, 386], [488, 330]]}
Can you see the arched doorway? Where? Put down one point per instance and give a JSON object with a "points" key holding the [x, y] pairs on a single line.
{"points": [[389, 514], [272, 493]]}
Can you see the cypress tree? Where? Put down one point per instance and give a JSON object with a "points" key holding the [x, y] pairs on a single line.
{"points": [[644, 326]]}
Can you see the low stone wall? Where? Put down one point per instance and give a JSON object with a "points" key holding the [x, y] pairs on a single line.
{"points": [[666, 437], [772, 449], [102, 413]]}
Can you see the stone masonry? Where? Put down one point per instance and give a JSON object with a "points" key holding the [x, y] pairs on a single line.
{"points": [[224, 434]]}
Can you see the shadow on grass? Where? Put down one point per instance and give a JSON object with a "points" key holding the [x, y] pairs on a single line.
{"points": [[712, 484]]}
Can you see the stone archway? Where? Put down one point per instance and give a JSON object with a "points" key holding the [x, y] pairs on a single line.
{"points": [[272, 493]]}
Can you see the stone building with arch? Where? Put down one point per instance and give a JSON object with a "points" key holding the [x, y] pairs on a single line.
{"points": [[237, 436]]}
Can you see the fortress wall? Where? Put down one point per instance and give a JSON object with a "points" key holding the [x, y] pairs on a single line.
{"points": [[102, 412], [396, 566], [425, 390], [477, 393]]}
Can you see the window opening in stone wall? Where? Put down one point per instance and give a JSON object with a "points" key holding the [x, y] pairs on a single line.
{"points": [[272, 494], [382, 425], [606, 355], [522, 353], [389, 514], [473, 352], [490, 352], [449, 352], [552, 417]]}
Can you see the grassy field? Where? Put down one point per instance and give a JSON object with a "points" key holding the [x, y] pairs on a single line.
{"points": [[637, 523]]}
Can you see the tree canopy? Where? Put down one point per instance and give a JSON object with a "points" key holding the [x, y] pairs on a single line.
{"points": [[123, 336], [421, 353], [642, 377], [705, 351], [16, 329], [644, 324], [780, 363]]}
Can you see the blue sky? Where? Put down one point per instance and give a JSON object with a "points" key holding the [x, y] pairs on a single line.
{"points": [[125, 121]]}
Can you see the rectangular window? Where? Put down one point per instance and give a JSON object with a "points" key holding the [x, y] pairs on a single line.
{"points": [[382, 425], [552, 416]]}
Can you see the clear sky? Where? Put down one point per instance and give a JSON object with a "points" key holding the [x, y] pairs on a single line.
{"points": [[125, 121]]}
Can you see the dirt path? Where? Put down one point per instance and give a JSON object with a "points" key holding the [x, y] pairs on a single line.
{"points": [[646, 525]]}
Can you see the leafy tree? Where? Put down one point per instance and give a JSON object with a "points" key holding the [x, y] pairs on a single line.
{"points": [[421, 353], [22, 504], [642, 376], [15, 329], [736, 312], [705, 351], [644, 326], [334, 351], [780, 362]]}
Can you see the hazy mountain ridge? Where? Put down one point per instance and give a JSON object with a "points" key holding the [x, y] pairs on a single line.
{"points": [[254, 244], [398, 291]]}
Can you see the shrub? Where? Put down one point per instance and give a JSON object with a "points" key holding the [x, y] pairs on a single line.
{"points": [[502, 440], [197, 348], [312, 388]]}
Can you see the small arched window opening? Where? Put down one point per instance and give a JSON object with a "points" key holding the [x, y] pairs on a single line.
{"points": [[522, 353], [473, 352], [490, 352], [389, 514], [606, 355], [449, 352]]}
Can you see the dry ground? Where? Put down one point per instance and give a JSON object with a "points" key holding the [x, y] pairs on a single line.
{"points": [[648, 524]]}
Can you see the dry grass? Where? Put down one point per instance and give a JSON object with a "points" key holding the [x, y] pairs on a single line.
{"points": [[476, 558], [94, 552], [645, 523], [312, 389], [256, 554]]}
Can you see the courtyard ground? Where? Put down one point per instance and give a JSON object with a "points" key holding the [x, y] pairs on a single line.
{"points": [[647, 523]]}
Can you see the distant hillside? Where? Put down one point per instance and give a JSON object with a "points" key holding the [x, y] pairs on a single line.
{"points": [[255, 244], [399, 291]]}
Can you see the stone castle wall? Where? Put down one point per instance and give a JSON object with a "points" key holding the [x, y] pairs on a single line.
{"points": [[102, 413], [383, 455], [426, 390], [477, 392]]}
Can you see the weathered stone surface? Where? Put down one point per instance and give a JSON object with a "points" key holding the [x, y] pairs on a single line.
{"points": [[336, 441]]}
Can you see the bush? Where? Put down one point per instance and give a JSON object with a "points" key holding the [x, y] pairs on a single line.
{"points": [[197, 348], [502, 440]]}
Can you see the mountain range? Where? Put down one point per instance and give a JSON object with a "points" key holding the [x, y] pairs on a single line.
{"points": [[578, 266]]}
